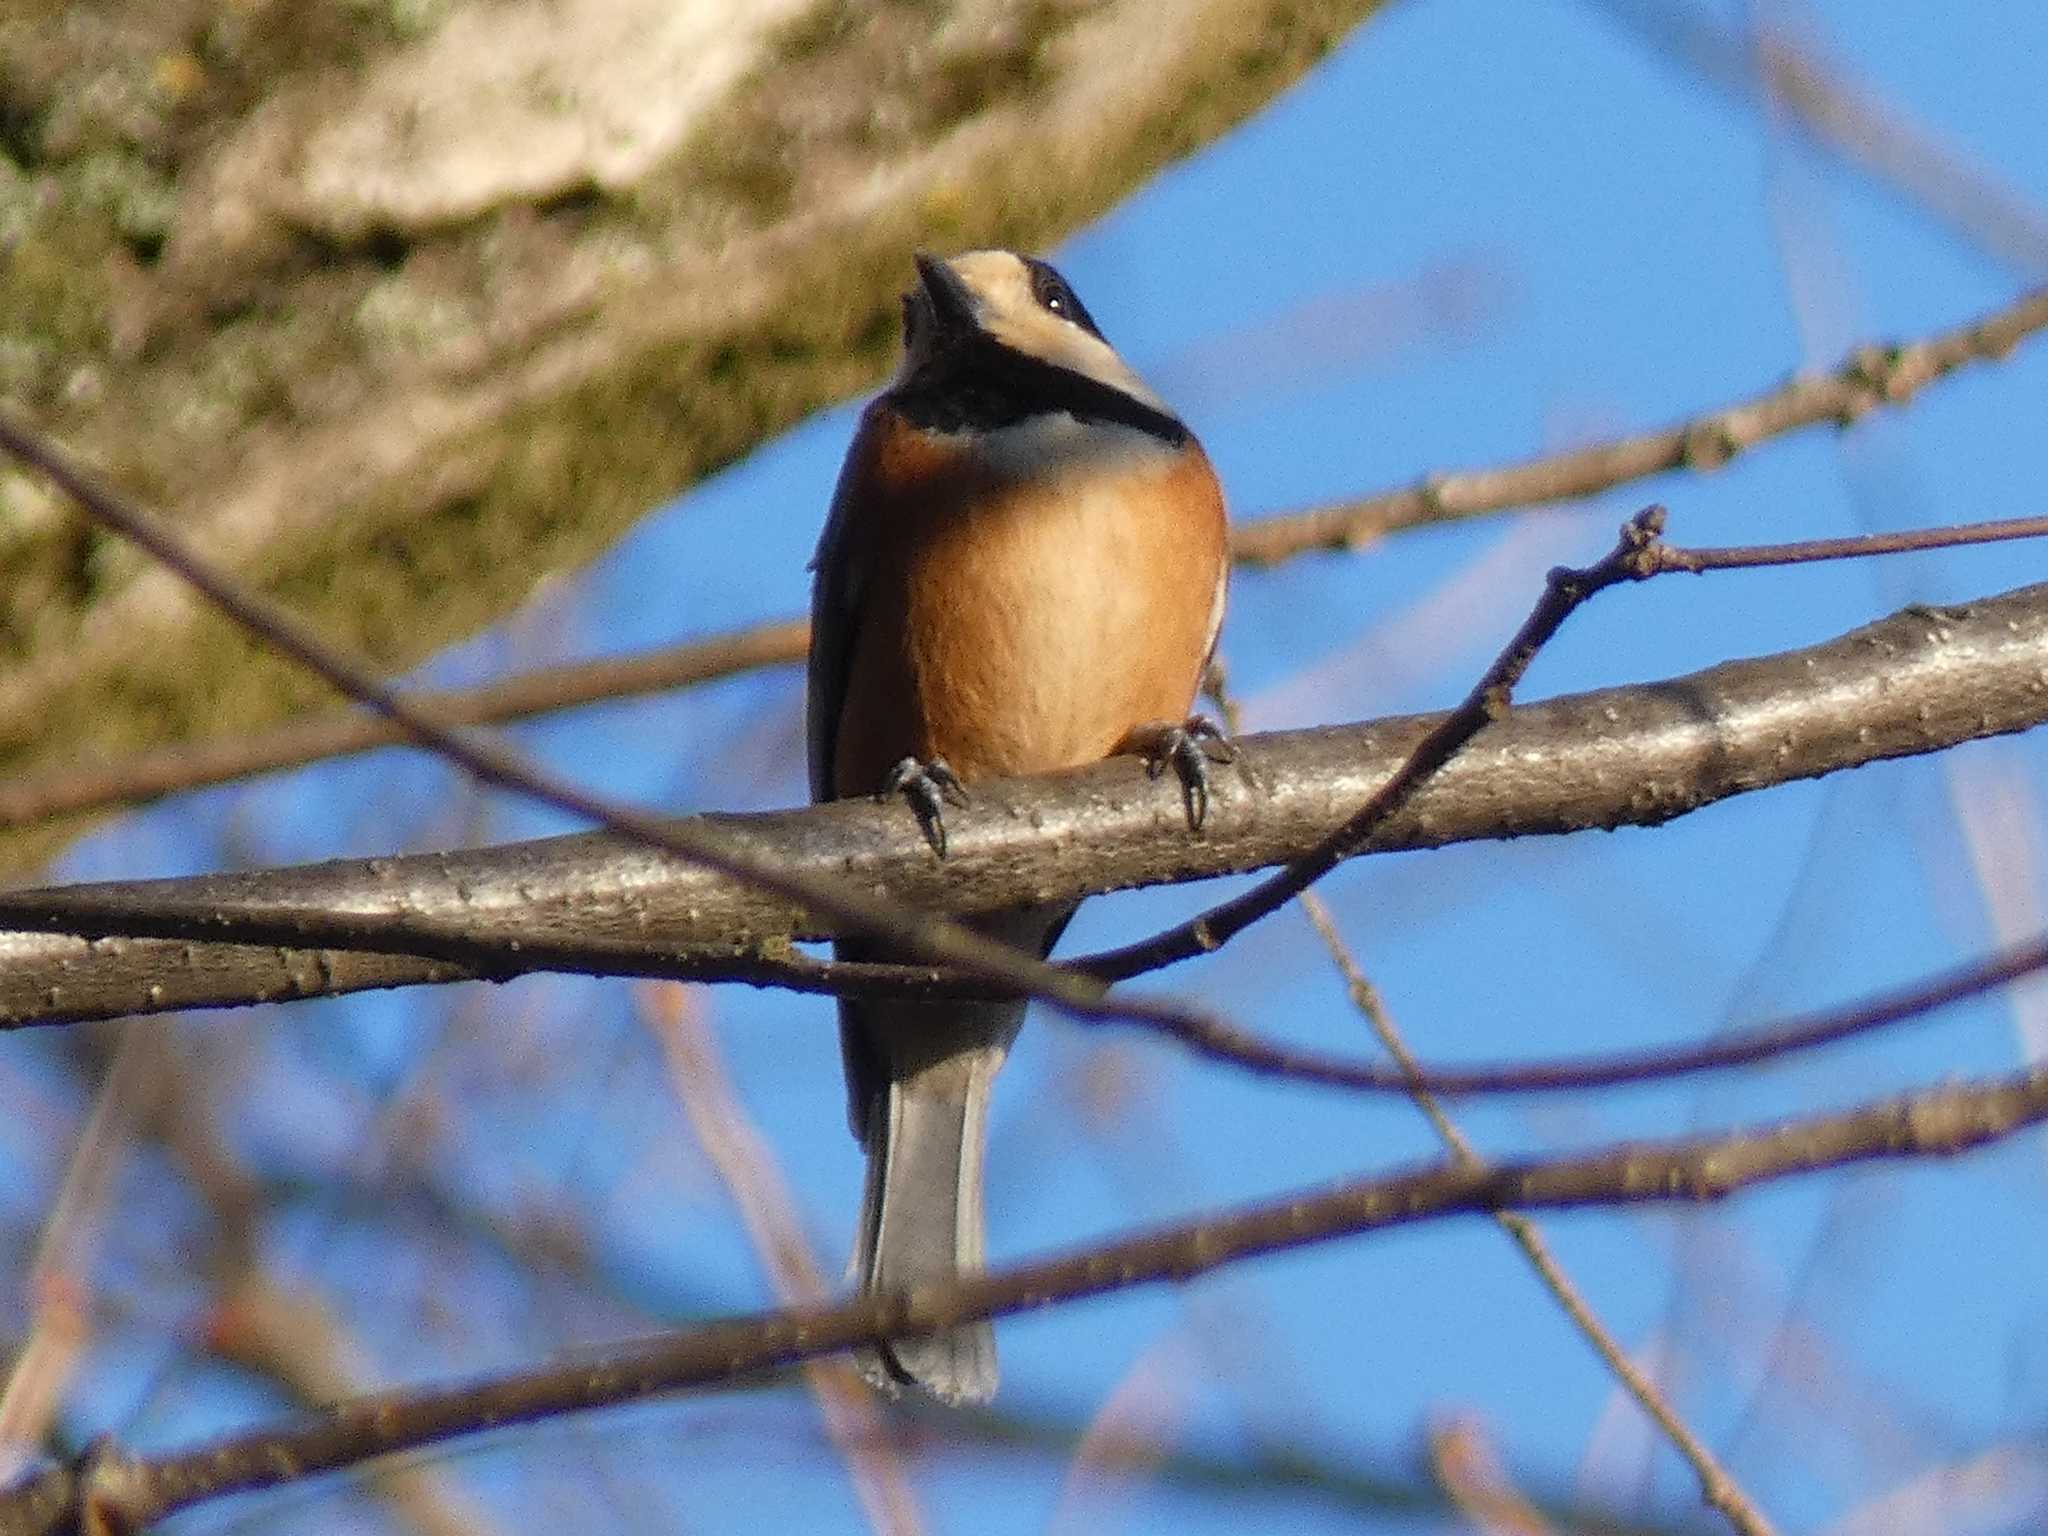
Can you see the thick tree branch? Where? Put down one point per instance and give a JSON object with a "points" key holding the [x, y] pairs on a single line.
{"points": [[1875, 373], [1916, 682], [932, 937], [117, 1492]]}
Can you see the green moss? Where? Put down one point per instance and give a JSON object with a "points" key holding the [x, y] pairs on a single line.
{"points": [[403, 21], [53, 299], [135, 198], [1006, 65], [400, 569], [748, 162]]}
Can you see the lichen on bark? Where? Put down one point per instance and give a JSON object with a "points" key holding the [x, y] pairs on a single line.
{"points": [[397, 339]]}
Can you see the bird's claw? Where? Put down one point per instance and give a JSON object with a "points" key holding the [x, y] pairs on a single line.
{"points": [[929, 787], [1188, 747]]}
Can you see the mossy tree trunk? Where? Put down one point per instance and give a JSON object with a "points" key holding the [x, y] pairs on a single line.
{"points": [[403, 305]]}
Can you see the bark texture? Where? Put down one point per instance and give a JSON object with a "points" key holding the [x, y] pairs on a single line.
{"points": [[406, 305], [1920, 681]]}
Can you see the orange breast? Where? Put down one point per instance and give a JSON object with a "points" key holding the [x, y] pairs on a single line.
{"points": [[1023, 617]]}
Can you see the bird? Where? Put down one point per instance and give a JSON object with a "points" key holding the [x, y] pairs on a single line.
{"points": [[1023, 569]]}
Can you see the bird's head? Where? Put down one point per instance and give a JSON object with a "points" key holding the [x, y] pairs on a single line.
{"points": [[1017, 302], [971, 312]]}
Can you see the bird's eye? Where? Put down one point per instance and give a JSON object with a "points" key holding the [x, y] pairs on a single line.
{"points": [[1056, 298], [1051, 290]]}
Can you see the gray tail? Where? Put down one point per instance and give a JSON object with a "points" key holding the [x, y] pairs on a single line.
{"points": [[921, 1220]]}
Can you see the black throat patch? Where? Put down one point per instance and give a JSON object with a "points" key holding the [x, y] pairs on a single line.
{"points": [[981, 385]]}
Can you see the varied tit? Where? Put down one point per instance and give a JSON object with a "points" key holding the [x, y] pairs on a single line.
{"points": [[1022, 570]]}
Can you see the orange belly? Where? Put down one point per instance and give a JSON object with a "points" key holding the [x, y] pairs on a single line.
{"points": [[1021, 627]]}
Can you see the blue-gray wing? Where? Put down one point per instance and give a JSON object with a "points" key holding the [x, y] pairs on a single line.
{"points": [[838, 580]]}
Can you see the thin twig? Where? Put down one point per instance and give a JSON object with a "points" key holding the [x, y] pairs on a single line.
{"points": [[59, 1278], [294, 1338], [2003, 1487], [1857, 546], [290, 1337], [1564, 591], [1468, 1468], [1717, 1487], [131, 1491], [1130, 1434], [87, 786], [1875, 373], [1265, 1481]]}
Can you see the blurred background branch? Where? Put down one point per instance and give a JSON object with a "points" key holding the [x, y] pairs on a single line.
{"points": [[133, 1491]]}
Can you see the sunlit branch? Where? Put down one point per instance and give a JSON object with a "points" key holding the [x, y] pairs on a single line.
{"points": [[1641, 755]]}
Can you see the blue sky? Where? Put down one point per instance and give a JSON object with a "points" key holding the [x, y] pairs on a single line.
{"points": [[1475, 233]]}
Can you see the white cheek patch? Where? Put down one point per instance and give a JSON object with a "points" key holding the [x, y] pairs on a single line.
{"points": [[1064, 344]]}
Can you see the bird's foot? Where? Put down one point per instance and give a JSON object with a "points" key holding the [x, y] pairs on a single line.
{"points": [[929, 787], [1188, 747]]}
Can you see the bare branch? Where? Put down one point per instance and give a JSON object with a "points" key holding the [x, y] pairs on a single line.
{"points": [[1564, 591], [1717, 1486], [127, 1492], [1749, 557], [60, 1278], [747, 1166], [1077, 989], [1922, 679], [1468, 1467], [169, 770], [295, 1338], [1874, 375]]}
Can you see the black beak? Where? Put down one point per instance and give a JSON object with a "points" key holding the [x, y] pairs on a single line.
{"points": [[951, 300]]}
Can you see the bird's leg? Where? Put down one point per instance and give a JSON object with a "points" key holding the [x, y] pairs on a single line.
{"points": [[1188, 747], [929, 787]]}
